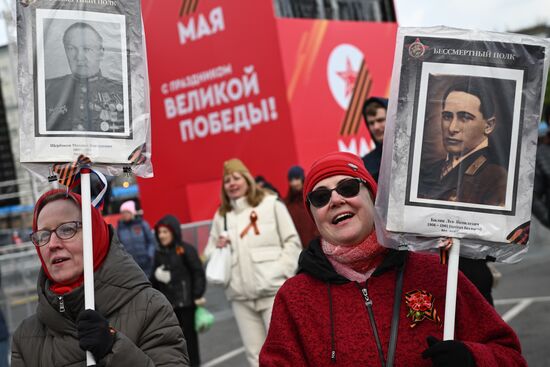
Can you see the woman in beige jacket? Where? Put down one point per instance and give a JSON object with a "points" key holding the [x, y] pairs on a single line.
{"points": [[264, 251]]}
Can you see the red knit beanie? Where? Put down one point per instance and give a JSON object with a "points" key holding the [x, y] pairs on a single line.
{"points": [[334, 164]]}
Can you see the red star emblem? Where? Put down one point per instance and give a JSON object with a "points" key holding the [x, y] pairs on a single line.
{"points": [[349, 76]]}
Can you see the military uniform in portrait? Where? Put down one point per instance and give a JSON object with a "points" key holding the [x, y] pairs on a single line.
{"points": [[477, 179], [94, 104]]}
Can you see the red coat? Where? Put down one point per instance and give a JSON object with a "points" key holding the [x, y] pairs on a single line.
{"points": [[300, 330]]}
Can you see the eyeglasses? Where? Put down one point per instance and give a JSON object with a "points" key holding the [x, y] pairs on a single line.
{"points": [[347, 188], [64, 231]]}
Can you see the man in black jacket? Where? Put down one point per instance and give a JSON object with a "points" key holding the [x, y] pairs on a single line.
{"points": [[374, 113]]}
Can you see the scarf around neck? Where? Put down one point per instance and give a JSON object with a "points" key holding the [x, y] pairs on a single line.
{"points": [[358, 262]]}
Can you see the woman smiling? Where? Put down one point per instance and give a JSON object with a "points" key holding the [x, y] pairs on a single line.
{"points": [[356, 303]]}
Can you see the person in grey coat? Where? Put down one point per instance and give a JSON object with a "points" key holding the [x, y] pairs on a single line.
{"points": [[133, 325]]}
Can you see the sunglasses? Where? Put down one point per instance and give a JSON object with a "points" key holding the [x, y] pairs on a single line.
{"points": [[64, 231], [346, 188]]}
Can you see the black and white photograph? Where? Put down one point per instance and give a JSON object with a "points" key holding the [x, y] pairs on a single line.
{"points": [[82, 83], [466, 134], [83, 86], [460, 137]]}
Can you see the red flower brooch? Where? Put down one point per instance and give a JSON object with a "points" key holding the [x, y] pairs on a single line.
{"points": [[421, 306], [180, 250]]}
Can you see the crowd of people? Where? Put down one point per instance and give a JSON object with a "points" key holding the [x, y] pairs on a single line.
{"points": [[309, 282]]}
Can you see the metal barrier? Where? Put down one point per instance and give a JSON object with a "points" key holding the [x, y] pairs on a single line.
{"points": [[19, 265]]}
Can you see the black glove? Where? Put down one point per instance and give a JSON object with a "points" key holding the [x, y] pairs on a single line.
{"points": [[94, 333], [448, 353]]}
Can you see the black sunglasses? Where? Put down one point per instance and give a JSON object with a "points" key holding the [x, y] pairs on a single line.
{"points": [[347, 188], [64, 231]]}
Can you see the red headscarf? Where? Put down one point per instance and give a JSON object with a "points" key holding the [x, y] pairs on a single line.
{"points": [[334, 164], [100, 231]]}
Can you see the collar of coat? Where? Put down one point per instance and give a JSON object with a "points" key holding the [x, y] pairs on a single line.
{"points": [[314, 262], [116, 282]]}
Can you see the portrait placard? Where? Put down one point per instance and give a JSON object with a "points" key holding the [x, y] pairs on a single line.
{"points": [[97, 74], [460, 139], [83, 81]]}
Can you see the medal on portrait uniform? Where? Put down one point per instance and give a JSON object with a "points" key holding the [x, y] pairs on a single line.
{"points": [[104, 126], [113, 116], [104, 115]]}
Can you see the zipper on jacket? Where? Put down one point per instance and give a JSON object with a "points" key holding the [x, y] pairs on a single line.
{"points": [[368, 304], [61, 304]]}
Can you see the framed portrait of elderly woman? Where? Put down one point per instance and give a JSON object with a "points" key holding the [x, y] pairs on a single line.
{"points": [[461, 138]]}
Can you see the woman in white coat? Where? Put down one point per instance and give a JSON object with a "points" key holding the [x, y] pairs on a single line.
{"points": [[264, 245]]}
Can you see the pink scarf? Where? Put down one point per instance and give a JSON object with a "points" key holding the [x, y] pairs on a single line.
{"points": [[358, 262]]}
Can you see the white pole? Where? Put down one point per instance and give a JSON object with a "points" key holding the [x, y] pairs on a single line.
{"points": [[450, 297], [89, 299]]}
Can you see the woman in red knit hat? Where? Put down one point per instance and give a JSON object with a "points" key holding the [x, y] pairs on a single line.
{"points": [[356, 303], [132, 325]]}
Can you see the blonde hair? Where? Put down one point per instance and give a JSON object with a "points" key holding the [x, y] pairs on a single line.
{"points": [[254, 195]]}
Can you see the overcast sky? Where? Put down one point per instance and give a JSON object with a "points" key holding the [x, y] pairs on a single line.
{"points": [[490, 15]]}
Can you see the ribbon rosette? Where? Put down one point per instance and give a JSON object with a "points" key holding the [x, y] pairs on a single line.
{"points": [[253, 225], [421, 306]]}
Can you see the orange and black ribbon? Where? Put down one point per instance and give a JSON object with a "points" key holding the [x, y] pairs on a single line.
{"points": [[445, 245], [421, 306], [66, 172], [352, 120], [137, 156], [520, 235], [188, 7], [252, 224]]}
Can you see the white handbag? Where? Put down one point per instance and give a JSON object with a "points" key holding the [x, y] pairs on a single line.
{"points": [[218, 269]]}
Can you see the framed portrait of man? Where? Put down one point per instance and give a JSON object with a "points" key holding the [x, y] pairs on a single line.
{"points": [[460, 137], [464, 153], [82, 86]]}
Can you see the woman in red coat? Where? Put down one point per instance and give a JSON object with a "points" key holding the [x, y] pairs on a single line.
{"points": [[356, 303]]}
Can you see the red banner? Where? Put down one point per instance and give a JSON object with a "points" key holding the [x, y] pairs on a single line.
{"points": [[323, 62], [227, 84]]}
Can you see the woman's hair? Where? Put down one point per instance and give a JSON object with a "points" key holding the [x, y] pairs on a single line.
{"points": [[54, 196], [254, 195]]}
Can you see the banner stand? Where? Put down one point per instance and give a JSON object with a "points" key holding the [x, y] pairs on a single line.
{"points": [[450, 296], [89, 298]]}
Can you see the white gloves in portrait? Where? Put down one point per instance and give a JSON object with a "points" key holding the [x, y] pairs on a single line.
{"points": [[163, 275]]}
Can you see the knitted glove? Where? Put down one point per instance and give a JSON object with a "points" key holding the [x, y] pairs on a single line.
{"points": [[94, 333], [163, 275], [448, 353]]}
